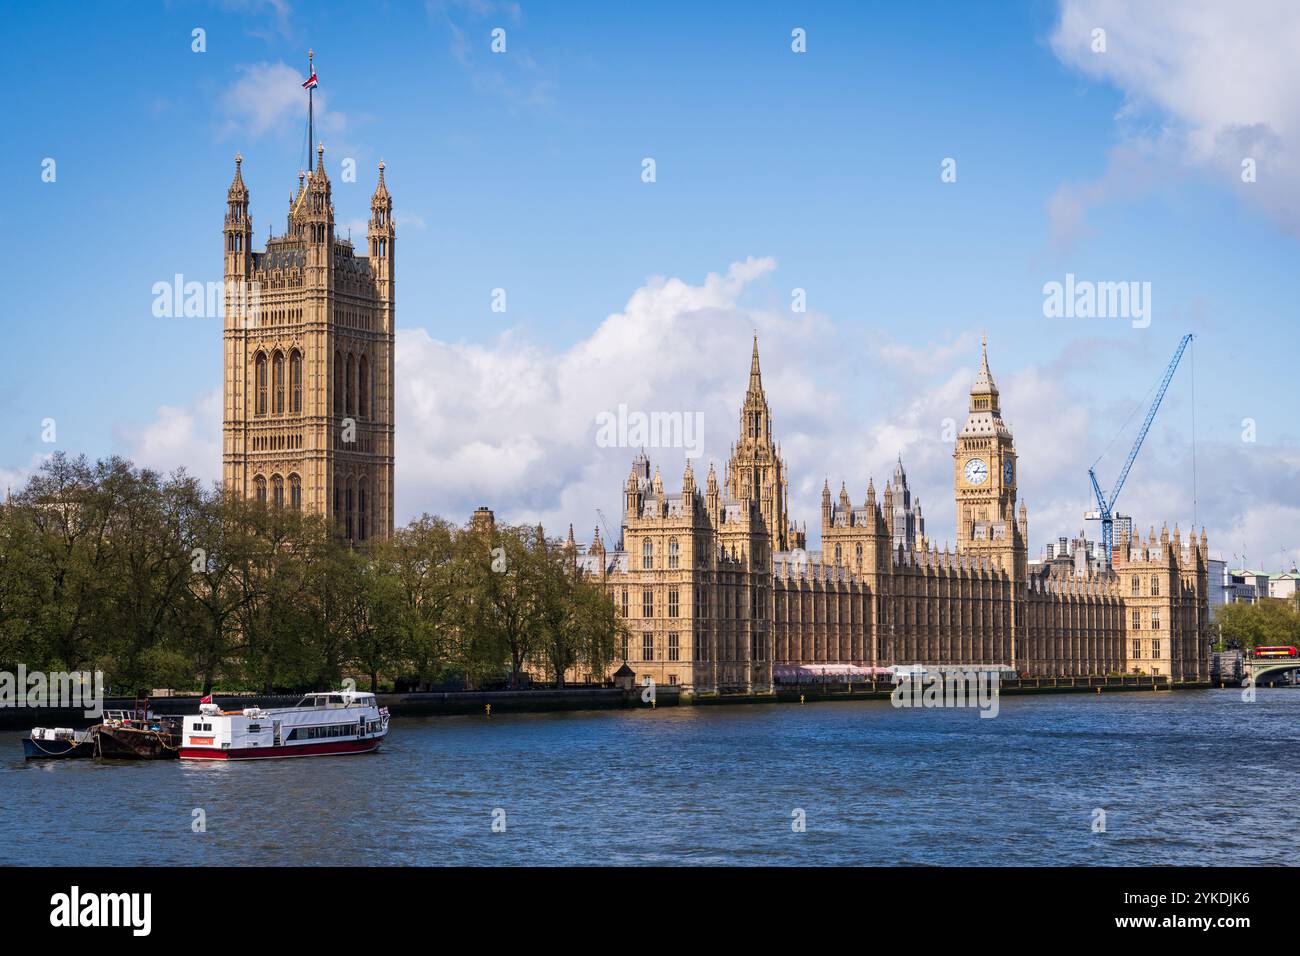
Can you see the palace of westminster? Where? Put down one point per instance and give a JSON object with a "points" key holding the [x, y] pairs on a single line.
{"points": [[715, 585]]}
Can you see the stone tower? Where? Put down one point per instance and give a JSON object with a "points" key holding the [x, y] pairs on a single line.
{"points": [[308, 370], [756, 471], [984, 478]]}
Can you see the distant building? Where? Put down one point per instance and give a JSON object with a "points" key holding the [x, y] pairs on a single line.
{"points": [[909, 526], [1218, 592], [1284, 585], [1246, 587]]}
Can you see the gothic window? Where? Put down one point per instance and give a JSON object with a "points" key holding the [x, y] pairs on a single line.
{"points": [[363, 388], [857, 552], [1155, 648], [351, 386], [647, 603], [647, 554], [277, 491], [647, 646], [1155, 619], [1155, 585], [361, 510], [295, 382], [260, 379], [338, 383], [277, 383], [838, 554], [672, 553], [625, 611], [295, 492], [673, 603], [1137, 620], [1136, 587], [350, 502], [1137, 650], [674, 650], [259, 489]]}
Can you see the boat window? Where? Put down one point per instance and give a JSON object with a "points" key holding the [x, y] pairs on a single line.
{"points": [[336, 698]]}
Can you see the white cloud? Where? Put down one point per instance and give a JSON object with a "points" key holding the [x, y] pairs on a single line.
{"points": [[178, 436], [269, 97], [1207, 84]]}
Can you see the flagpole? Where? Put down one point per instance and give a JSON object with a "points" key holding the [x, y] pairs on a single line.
{"points": [[311, 133]]}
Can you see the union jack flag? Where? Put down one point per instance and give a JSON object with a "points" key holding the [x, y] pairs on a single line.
{"points": [[310, 82]]}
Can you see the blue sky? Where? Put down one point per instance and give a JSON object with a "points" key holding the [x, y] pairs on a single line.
{"points": [[522, 171]]}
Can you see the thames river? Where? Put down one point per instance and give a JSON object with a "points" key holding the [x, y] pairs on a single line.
{"points": [[1197, 777]]}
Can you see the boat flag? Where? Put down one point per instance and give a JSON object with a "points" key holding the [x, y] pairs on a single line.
{"points": [[205, 700]]}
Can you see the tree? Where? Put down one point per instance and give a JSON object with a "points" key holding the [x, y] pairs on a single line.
{"points": [[577, 623], [1267, 622], [501, 576], [425, 587]]}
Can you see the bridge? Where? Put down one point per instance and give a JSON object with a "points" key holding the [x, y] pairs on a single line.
{"points": [[1253, 668]]}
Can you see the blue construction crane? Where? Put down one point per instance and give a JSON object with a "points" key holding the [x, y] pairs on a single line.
{"points": [[1106, 507]]}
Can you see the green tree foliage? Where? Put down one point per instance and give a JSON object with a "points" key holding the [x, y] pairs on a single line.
{"points": [[1268, 622], [159, 582]]}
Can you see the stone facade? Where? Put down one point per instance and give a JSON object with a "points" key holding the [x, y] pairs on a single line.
{"points": [[719, 594], [308, 370]]}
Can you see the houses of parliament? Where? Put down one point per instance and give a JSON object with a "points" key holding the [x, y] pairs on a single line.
{"points": [[308, 365], [714, 583], [718, 592]]}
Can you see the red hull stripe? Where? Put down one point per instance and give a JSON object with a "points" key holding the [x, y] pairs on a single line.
{"points": [[300, 750]]}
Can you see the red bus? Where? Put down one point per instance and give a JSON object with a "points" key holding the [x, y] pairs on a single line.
{"points": [[1277, 651]]}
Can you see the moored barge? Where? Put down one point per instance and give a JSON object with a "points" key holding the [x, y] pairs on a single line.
{"points": [[58, 743]]}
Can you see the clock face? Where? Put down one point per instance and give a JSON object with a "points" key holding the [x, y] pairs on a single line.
{"points": [[1008, 472], [977, 471]]}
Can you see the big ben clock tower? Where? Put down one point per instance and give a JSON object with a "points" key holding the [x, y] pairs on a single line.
{"points": [[984, 481]]}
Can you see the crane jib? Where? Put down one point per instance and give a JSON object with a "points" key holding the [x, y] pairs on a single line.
{"points": [[1105, 507]]}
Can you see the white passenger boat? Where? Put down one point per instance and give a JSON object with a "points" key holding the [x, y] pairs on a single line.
{"points": [[333, 722]]}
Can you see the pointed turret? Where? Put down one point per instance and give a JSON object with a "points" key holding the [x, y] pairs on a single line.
{"points": [[238, 233], [381, 237]]}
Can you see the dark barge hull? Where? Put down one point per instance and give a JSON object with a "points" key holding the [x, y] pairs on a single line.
{"points": [[57, 749], [129, 743]]}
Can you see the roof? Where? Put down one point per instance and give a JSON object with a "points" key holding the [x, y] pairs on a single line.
{"points": [[625, 671]]}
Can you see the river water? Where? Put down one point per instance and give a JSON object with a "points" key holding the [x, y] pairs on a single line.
{"points": [[1196, 777]]}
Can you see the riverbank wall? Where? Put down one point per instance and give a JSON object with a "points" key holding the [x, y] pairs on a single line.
{"points": [[477, 703]]}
